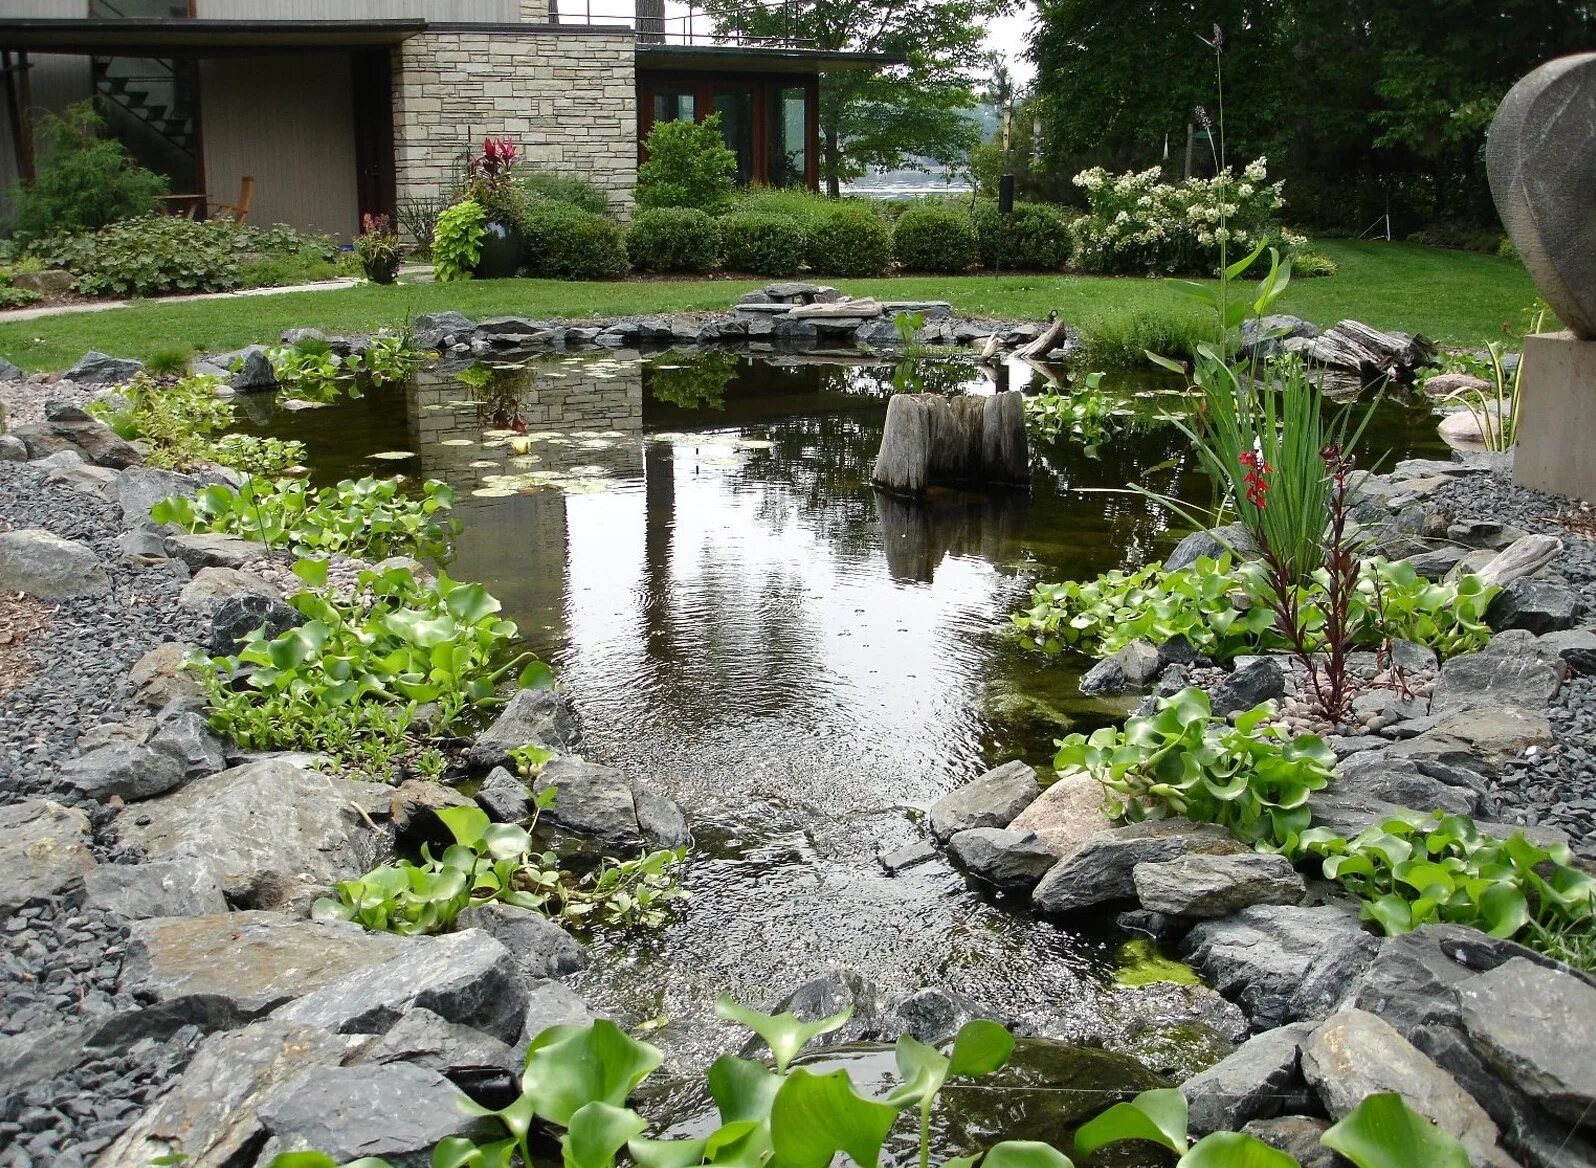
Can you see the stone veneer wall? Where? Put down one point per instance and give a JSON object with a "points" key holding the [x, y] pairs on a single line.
{"points": [[568, 98]]}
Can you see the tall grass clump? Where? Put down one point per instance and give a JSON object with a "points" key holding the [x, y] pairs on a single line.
{"points": [[1122, 340]]}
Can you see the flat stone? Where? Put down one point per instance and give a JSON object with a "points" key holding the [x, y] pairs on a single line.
{"points": [[44, 565], [1066, 815], [601, 802], [273, 833], [532, 716], [211, 1115], [1540, 606], [1206, 887], [413, 809], [899, 859], [541, 948], [1250, 1083], [862, 309], [158, 678], [1101, 869], [1282, 963], [96, 368], [37, 1055], [210, 550], [96, 481], [394, 1111], [1576, 648], [211, 586], [184, 887], [1477, 680], [466, 977], [222, 970], [123, 770], [1353, 1055], [1496, 733], [44, 848], [1399, 779], [423, 1038], [992, 800], [1010, 861], [1526, 1022], [238, 616]]}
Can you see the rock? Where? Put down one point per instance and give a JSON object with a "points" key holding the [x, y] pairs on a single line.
{"points": [[1541, 606], [1525, 1022], [992, 800], [430, 328], [71, 425], [899, 859], [864, 308], [1446, 384], [1258, 681], [95, 368], [1132, 667], [223, 970], [426, 1040], [1232, 539], [1250, 1083], [413, 809], [934, 1015], [601, 802], [212, 551], [1282, 963], [541, 948], [1262, 336], [44, 565], [210, 587], [273, 833], [504, 797], [211, 1114], [1524, 557], [37, 1055], [1401, 780], [1354, 1054], [1298, 1136], [50, 282], [831, 993], [236, 618], [158, 677], [96, 481], [1010, 861], [1477, 680], [124, 770], [1576, 648], [188, 736], [1065, 815], [1101, 869], [183, 887], [1207, 887], [249, 370], [531, 716], [13, 449], [390, 1110], [465, 977], [549, 1003], [1499, 733], [44, 847]]}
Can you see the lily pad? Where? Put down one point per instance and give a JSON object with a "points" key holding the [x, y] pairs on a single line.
{"points": [[394, 455]]}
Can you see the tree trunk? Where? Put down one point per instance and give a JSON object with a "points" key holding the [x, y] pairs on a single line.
{"points": [[929, 438], [830, 162]]}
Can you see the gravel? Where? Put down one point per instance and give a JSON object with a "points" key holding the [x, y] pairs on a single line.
{"points": [[24, 400]]}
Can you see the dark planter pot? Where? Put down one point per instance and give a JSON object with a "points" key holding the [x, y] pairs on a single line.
{"points": [[382, 273], [503, 248]]}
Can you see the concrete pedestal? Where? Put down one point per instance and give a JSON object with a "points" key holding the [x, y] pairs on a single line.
{"points": [[1556, 448]]}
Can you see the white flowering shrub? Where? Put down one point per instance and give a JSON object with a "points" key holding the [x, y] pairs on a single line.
{"points": [[1139, 223]]}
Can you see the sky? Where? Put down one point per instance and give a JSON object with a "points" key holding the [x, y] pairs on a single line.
{"points": [[1006, 35]]}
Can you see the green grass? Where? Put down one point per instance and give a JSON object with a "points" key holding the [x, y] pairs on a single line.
{"points": [[1455, 297]]}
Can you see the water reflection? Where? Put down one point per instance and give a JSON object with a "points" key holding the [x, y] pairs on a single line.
{"points": [[742, 621]]}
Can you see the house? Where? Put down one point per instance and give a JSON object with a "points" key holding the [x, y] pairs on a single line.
{"points": [[339, 107]]}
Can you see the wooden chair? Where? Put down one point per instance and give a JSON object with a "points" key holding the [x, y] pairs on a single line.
{"points": [[238, 211]]}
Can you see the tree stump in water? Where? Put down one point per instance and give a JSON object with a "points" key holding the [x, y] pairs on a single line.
{"points": [[931, 439]]}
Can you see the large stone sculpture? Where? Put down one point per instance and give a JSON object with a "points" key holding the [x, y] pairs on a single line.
{"points": [[1541, 158]]}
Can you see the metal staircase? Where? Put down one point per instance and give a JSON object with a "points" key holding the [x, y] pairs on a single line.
{"points": [[151, 91]]}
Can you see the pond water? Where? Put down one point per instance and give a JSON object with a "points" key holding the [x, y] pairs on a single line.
{"points": [[740, 620]]}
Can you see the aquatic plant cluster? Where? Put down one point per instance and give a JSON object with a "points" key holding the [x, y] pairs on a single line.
{"points": [[182, 423]]}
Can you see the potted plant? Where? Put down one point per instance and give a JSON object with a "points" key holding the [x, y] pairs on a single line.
{"points": [[490, 185], [378, 249]]}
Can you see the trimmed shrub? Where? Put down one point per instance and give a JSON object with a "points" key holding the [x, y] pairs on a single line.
{"points": [[147, 257], [1035, 237], [689, 165], [673, 239], [850, 241], [84, 180], [806, 207], [571, 244], [536, 186], [931, 240], [763, 243]]}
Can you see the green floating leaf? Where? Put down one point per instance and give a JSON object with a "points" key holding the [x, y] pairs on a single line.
{"points": [[647, 1153], [1025, 1154], [568, 1067], [1156, 1116], [981, 1047], [814, 1117], [1234, 1150], [1384, 1132], [598, 1131], [785, 1034]]}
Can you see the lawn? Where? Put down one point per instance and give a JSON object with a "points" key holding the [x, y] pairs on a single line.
{"points": [[1455, 297]]}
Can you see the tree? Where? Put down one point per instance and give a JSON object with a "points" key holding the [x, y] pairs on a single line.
{"points": [[896, 116], [85, 181]]}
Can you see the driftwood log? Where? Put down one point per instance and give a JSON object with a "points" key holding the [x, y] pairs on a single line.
{"points": [[933, 439], [1369, 352]]}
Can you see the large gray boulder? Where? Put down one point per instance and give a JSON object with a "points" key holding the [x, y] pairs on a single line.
{"points": [[187, 736], [992, 800], [124, 770], [601, 802], [1065, 815], [44, 848], [211, 550], [183, 887], [273, 833], [1539, 606], [466, 977], [1011, 861], [1282, 963], [541, 948], [96, 368], [1576, 648], [1526, 1022], [1207, 887], [223, 970], [211, 1115], [1232, 539], [1353, 1054], [532, 716], [1101, 869], [1257, 681], [1131, 668], [504, 797], [431, 328], [548, 1003], [1401, 779], [66, 427], [141, 487], [1252, 1082], [44, 565], [423, 1038], [211, 587], [1476, 680], [394, 1111]]}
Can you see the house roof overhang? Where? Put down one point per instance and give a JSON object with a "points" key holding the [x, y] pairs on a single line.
{"points": [[198, 37], [678, 58]]}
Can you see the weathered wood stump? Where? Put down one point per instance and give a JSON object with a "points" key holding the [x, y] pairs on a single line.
{"points": [[931, 439]]}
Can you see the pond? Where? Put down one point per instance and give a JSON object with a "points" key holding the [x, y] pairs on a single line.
{"points": [[740, 620]]}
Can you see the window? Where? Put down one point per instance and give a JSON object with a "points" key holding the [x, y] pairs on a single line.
{"points": [[736, 110], [787, 138], [674, 105]]}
